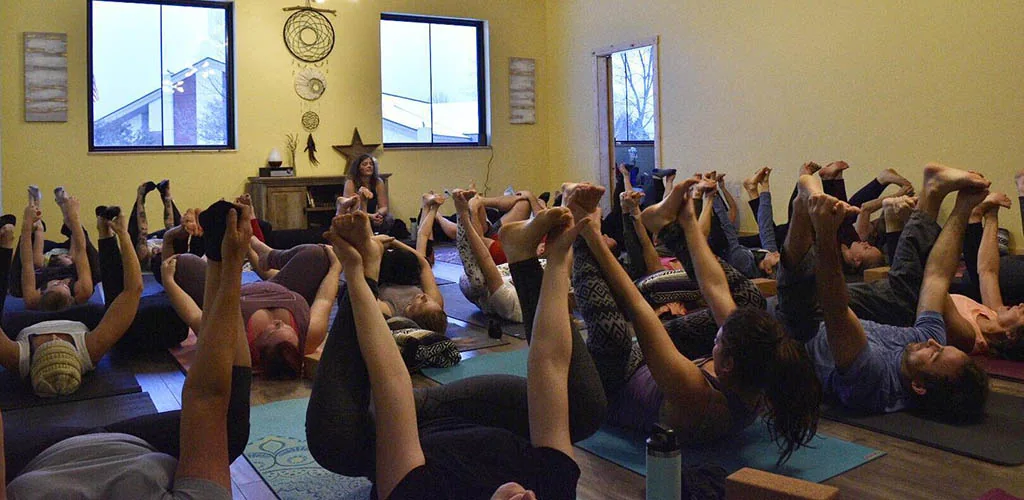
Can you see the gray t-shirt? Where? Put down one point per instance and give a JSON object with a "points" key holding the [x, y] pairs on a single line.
{"points": [[872, 383], [108, 465]]}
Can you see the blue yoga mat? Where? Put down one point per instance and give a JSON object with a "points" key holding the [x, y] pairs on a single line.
{"points": [[828, 456], [277, 450], [509, 362]]}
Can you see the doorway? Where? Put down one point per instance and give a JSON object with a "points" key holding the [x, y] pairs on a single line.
{"points": [[628, 127]]}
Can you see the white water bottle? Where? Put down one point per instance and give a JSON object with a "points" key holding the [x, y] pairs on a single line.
{"points": [[664, 465]]}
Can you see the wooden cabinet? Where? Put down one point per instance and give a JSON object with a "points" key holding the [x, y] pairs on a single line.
{"points": [[297, 202]]}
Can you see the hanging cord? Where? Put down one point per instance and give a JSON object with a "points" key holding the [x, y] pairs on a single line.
{"points": [[487, 178]]}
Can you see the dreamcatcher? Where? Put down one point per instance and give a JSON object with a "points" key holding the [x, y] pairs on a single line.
{"points": [[309, 36]]}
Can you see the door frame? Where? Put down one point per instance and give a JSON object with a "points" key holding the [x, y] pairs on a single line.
{"points": [[604, 169]]}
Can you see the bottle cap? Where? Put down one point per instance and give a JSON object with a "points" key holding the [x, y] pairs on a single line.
{"points": [[663, 439]]}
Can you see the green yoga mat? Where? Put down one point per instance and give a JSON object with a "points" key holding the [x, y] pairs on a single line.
{"points": [[277, 450], [827, 457]]}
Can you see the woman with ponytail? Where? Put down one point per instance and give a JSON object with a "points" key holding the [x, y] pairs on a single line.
{"points": [[754, 368]]}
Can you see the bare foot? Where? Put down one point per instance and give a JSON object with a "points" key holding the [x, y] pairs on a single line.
{"points": [[707, 187], [630, 201], [520, 239], [764, 185], [664, 212], [807, 186], [356, 230], [833, 171], [992, 202], [624, 170], [461, 198], [582, 199], [344, 205], [366, 193], [668, 181], [891, 176], [244, 199], [190, 222], [942, 180], [809, 168], [750, 183]]}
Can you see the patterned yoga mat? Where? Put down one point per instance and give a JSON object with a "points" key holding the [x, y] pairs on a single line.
{"points": [[277, 450]]}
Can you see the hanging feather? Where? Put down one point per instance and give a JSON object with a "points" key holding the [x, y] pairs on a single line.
{"points": [[311, 148]]}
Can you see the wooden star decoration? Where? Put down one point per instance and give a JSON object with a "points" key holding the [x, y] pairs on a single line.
{"points": [[356, 148]]}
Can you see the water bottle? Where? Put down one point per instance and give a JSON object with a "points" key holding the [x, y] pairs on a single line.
{"points": [[664, 465]]}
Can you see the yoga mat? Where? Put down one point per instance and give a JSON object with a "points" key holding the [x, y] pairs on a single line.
{"points": [[447, 253], [752, 448], [277, 450], [89, 414], [105, 380], [828, 456], [469, 337], [459, 307], [508, 362], [442, 281], [1002, 368], [997, 494], [995, 438]]}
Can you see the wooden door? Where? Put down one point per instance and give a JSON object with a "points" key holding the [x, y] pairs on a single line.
{"points": [[286, 207]]}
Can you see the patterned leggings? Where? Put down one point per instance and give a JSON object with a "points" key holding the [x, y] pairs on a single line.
{"points": [[610, 334], [473, 284]]}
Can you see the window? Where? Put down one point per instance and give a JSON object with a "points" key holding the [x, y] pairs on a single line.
{"points": [[162, 75], [633, 95], [433, 81]]}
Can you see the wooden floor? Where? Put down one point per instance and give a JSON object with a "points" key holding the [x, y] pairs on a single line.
{"points": [[908, 471]]}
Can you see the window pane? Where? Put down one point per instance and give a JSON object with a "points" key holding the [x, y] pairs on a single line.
{"points": [[194, 78], [126, 74], [160, 75], [454, 78], [405, 81], [633, 94]]}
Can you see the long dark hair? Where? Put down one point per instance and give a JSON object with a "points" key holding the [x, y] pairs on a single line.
{"points": [[357, 180], [768, 359]]}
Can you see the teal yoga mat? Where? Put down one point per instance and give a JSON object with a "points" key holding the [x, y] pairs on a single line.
{"points": [[827, 457], [277, 450], [509, 362]]}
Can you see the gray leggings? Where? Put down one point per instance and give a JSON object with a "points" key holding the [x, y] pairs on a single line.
{"points": [[302, 268], [339, 423]]}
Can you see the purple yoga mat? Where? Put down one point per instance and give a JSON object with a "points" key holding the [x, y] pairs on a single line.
{"points": [[997, 494], [1002, 368]]}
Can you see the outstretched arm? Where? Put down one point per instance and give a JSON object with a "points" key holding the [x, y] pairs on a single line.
{"points": [[988, 261], [427, 280], [476, 243], [677, 377], [425, 230], [713, 284], [121, 313], [398, 448], [183, 305], [205, 397], [83, 284], [547, 376], [863, 222], [320, 310], [846, 336], [942, 261], [29, 292]]}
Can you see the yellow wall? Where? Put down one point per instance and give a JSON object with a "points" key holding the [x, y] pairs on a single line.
{"points": [[56, 153], [745, 84]]}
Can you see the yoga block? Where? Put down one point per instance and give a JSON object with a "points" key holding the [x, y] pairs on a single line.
{"points": [[875, 274], [768, 287], [754, 484]]}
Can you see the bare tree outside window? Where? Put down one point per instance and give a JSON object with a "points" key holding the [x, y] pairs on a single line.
{"points": [[633, 94]]}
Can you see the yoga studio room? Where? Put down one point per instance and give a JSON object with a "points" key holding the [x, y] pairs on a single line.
{"points": [[511, 249]]}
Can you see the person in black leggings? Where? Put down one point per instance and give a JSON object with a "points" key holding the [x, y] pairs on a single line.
{"points": [[469, 438], [202, 446]]}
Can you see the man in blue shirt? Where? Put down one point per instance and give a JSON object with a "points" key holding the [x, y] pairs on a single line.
{"points": [[880, 368]]}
